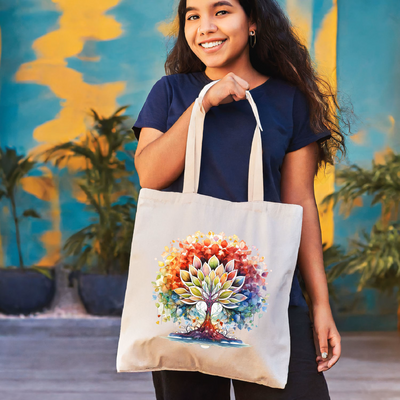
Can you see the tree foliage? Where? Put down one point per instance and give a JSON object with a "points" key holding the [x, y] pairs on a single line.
{"points": [[14, 167], [375, 256], [102, 246]]}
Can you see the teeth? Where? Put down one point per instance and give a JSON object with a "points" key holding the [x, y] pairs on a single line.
{"points": [[211, 44]]}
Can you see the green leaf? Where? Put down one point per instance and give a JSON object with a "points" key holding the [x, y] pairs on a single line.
{"points": [[373, 259], [225, 294], [181, 291], [208, 282], [195, 291], [45, 271], [196, 281], [238, 297], [107, 184], [213, 262], [200, 275], [227, 285], [185, 276]]}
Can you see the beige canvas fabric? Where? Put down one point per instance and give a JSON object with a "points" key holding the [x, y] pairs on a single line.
{"points": [[209, 279]]}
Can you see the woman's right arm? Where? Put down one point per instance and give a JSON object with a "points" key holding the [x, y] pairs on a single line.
{"points": [[160, 157]]}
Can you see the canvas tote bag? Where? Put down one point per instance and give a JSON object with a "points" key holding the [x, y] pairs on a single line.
{"points": [[209, 279]]}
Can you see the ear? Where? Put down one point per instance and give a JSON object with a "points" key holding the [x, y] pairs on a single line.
{"points": [[252, 26]]}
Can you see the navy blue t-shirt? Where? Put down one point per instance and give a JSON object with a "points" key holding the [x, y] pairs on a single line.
{"points": [[228, 134]]}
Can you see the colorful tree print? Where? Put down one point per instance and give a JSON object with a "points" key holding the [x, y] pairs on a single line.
{"points": [[211, 285]]}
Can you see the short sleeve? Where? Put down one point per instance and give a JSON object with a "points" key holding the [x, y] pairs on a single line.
{"points": [[302, 132], [154, 113]]}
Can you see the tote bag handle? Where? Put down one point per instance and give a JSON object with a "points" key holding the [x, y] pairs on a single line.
{"points": [[194, 144]]}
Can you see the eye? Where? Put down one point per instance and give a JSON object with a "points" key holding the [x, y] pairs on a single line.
{"points": [[191, 17]]}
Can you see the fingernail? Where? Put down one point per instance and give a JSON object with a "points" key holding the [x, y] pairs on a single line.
{"points": [[324, 355]]}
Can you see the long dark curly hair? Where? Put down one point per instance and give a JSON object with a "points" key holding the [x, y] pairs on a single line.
{"points": [[278, 53]]}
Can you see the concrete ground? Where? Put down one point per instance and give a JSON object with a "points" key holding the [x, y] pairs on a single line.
{"points": [[74, 359]]}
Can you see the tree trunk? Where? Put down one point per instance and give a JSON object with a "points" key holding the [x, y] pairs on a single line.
{"points": [[207, 331], [17, 234]]}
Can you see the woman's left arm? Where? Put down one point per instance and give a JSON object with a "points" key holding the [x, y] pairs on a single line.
{"points": [[297, 187]]}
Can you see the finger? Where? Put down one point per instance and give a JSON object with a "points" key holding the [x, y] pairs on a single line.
{"points": [[336, 351], [333, 361], [323, 366], [323, 344], [244, 84], [321, 360], [238, 93], [334, 354], [237, 98]]}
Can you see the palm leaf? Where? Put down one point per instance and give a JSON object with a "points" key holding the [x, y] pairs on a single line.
{"points": [[14, 167], [109, 192], [376, 258], [382, 181]]}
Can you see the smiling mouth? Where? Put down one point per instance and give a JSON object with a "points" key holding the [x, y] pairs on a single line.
{"points": [[212, 45]]}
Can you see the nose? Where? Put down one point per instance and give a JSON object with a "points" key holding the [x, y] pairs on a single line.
{"points": [[206, 26]]}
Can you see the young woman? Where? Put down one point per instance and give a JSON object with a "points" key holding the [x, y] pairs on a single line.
{"points": [[249, 45]]}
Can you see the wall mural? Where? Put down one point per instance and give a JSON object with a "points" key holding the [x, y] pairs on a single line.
{"points": [[61, 58]]}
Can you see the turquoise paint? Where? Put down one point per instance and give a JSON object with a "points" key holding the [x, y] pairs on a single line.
{"points": [[368, 60], [23, 106], [367, 66], [30, 230], [144, 48], [319, 10]]}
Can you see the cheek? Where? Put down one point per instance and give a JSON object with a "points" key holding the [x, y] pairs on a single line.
{"points": [[240, 26], [190, 35], [237, 31]]}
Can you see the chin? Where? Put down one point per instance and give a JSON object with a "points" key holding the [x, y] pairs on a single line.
{"points": [[215, 64]]}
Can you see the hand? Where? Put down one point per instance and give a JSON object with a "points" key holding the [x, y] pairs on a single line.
{"points": [[230, 88], [326, 338]]}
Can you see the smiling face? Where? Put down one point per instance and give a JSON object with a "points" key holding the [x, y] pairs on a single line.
{"points": [[224, 28]]}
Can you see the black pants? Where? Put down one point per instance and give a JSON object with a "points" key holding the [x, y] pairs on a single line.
{"points": [[304, 380]]}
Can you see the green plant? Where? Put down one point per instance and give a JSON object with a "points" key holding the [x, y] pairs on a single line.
{"points": [[104, 245], [13, 167], [376, 257]]}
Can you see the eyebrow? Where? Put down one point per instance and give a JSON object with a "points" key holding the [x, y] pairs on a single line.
{"points": [[215, 5]]}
